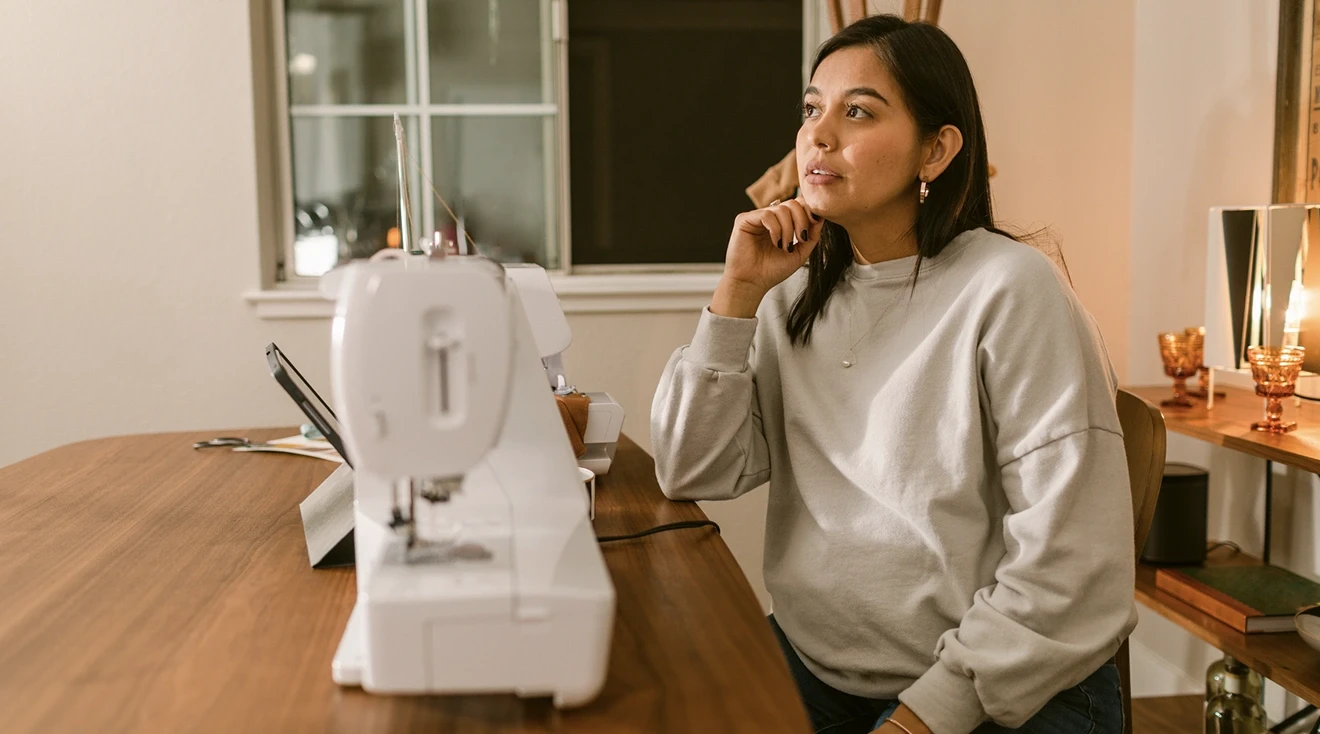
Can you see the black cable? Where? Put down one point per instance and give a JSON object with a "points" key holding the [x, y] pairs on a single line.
{"points": [[1225, 544], [1291, 721], [660, 529], [1306, 397]]}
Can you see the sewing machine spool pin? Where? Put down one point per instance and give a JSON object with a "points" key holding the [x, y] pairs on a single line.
{"points": [[412, 512]]}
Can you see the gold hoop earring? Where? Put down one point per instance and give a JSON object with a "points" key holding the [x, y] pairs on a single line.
{"points": [[923, 192]]}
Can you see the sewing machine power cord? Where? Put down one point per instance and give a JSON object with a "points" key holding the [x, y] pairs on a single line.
{"points": [[660, 529]]}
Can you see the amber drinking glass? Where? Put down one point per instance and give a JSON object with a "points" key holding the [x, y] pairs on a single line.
{"points": [[1275, 370], [1182, 354]]}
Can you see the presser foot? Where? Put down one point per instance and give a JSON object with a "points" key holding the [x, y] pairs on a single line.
{"points": [[423, 551]]}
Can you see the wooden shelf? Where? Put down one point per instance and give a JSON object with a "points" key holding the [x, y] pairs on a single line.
{"points": [[1282, 657], [1229, 425]]}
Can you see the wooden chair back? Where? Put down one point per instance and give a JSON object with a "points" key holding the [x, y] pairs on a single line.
{"points": [[1144, 443]]}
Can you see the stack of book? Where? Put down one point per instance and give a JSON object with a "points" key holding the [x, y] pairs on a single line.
{"points": [[1249, 599]]}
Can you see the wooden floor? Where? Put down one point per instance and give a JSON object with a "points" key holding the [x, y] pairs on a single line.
{"points": [[1168, 715]]}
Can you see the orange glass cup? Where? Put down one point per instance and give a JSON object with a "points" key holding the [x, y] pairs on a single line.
{"points": [[1181, 353], [1275, 370]]}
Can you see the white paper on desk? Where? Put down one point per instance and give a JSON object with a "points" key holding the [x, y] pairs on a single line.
{"points": [[299, 446]]}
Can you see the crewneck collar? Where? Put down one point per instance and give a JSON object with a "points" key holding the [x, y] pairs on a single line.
{"points": [[903, 266]]}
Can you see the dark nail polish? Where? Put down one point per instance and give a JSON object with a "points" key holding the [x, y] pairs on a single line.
{"points": [[815, 217], [779, 244], [803, 238], [790, 247]]}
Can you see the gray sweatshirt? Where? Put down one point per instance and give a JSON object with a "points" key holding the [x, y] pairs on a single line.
{"points": [[950, 520]]}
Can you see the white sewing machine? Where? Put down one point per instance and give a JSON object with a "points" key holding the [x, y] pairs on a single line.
{"points": [[604, 415], [477, 568]]}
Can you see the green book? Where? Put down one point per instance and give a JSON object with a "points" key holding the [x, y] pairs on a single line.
{"points": [[1247, 598]]}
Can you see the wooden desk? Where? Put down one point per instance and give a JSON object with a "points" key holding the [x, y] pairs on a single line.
{"points": [[1283, 657], [150, 587]]}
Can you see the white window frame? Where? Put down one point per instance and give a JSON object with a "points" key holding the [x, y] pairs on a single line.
{"points": [[582, 289], [418, 108]]}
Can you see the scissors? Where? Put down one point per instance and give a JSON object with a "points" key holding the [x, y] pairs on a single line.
{"points": [[236, 442], [223, 441], [245, 443]]}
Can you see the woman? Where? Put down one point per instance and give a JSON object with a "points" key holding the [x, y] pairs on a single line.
{"points": [[949, 533]]}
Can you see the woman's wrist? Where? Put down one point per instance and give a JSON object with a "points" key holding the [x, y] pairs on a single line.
{"points": [[908, 722], [736, 298]]}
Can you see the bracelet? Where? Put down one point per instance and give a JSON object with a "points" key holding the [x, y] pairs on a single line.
{"points": [[900, 725]]}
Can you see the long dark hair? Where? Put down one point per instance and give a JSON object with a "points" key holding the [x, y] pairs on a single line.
{"points": [[938, 89]]}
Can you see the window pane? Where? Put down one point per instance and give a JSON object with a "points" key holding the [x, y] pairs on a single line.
{"points": [[485, 51], [492, 172], [345, 188], [675, 110], [346, 52]]}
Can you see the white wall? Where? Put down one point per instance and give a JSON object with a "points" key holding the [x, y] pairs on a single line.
{"points": [[127, 189], [129, 206], [1203, 113]]}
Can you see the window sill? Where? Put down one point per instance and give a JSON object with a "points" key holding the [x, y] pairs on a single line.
{"points": [[650, 293]]}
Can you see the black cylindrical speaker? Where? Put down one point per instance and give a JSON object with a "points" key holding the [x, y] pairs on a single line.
{"points": [[1177, 534]]}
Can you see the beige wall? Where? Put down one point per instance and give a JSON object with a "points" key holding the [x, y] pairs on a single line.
{"points": [[1055, 85], [1055, 82]]}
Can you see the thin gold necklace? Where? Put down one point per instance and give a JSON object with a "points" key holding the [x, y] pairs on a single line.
{"points": [[850, 357]]}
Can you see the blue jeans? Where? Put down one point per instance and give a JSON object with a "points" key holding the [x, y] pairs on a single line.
{"points": [[1094, 706]]}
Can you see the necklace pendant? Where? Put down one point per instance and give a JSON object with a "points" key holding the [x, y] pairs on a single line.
{"points": [[846, 363], [848, 359]]}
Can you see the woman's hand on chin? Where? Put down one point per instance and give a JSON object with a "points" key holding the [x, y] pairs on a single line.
{"points": [[768, 245]]}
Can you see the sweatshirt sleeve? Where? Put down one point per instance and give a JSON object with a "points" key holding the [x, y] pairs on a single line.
{"points": [[705, 420], [1062, 599]]}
